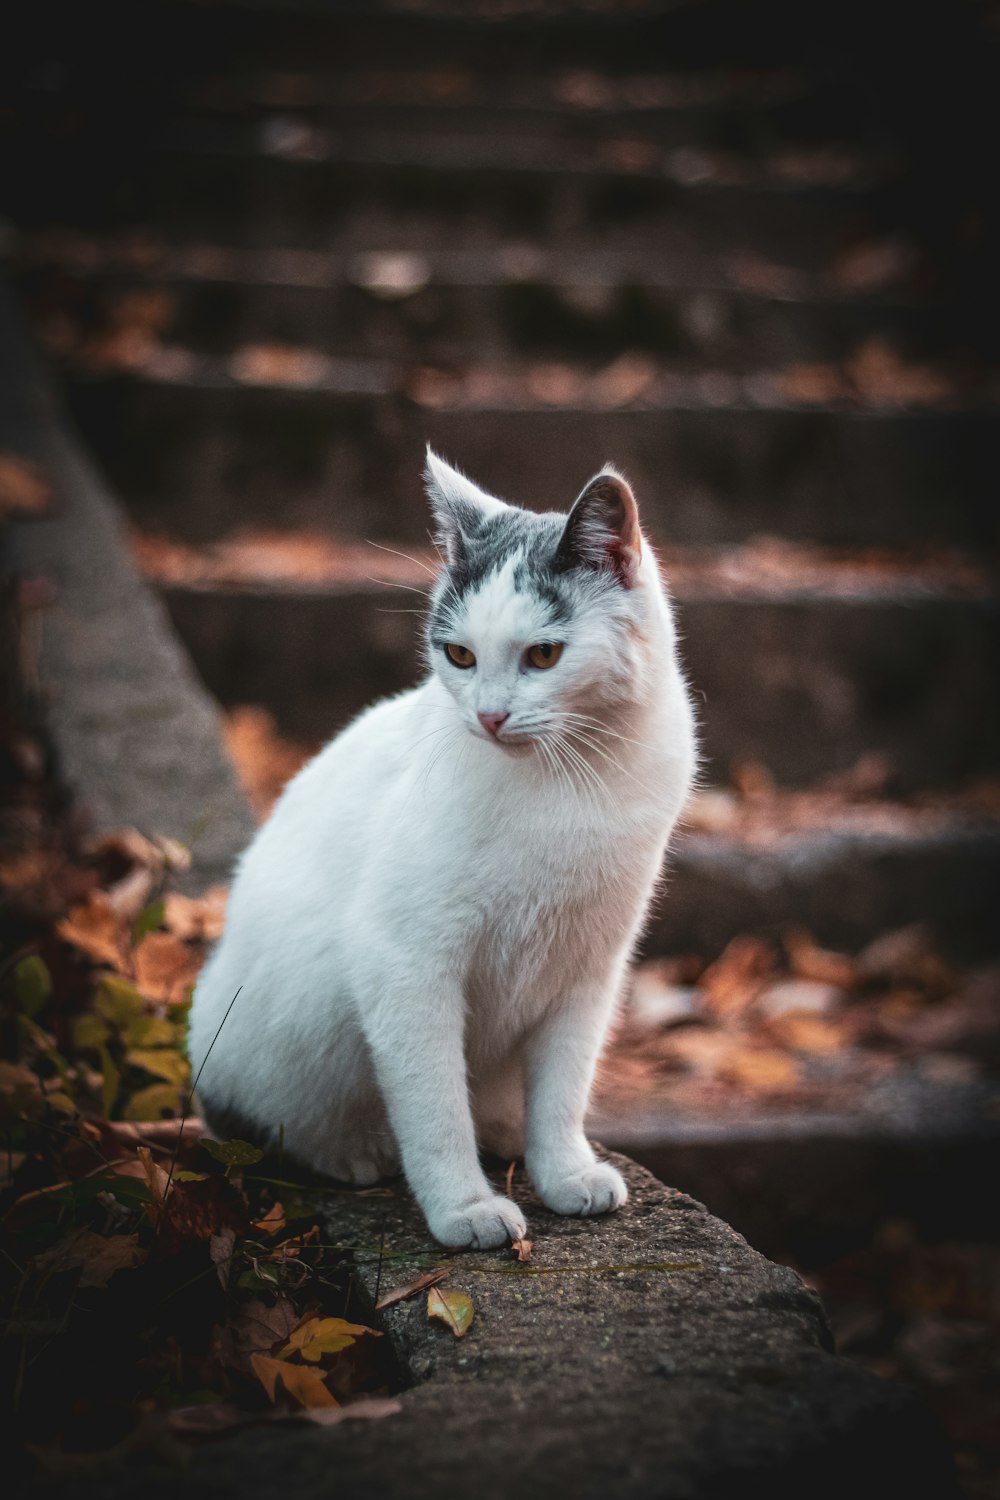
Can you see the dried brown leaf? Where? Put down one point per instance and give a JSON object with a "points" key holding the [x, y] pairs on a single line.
{"points": [[93, 928], [165, 968], [412, 1288], [97, 1256]]}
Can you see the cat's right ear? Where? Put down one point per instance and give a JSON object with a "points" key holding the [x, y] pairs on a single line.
{"points": [[460, 507]]}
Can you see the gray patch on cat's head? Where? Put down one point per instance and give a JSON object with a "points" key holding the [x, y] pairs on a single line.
{"points": [[481, 535]]}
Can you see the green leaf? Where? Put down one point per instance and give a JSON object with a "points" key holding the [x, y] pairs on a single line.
{"points": [[151, 1031], [44, 1043], [118, 1001], [32, 984], [233, 1153], [150, 1104], [183, 1175], [148, 920], [110, 1079], [90, 1031], [162, 1062]]}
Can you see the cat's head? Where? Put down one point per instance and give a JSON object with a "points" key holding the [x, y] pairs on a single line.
{"points": [[537, 618]]}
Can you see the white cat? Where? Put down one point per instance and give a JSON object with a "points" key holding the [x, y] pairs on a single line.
{"points": [[430, 934]]}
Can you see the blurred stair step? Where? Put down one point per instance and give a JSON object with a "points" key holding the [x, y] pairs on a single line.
{"points": [[714, 458], [803, 679], [879, 867], [812, 1184], [294, 186], [465, 306]]}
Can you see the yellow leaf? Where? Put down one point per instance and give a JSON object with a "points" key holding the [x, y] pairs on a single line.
{"points": [[150, 1103], [318, 1336], [304, 1385], [453, 1308], [162, 1062]]}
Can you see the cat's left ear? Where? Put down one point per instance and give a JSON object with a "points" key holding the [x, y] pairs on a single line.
{"points": [[460, 507], [602, 529]]}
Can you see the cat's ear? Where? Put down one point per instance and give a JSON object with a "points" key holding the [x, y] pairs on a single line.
{"points": [[602, 529], [460, 507]]}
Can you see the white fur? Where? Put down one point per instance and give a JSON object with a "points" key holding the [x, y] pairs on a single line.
{"points": [[430, 934]]}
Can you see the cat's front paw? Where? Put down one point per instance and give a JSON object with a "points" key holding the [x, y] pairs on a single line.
{"points": [[482, 1225], [597, 1189]]}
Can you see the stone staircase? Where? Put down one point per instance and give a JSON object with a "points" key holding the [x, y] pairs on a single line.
{"points": [[288, 244]]}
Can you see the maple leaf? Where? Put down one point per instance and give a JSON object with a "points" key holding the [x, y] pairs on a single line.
{"points": [[98, 1256], [318, 1336], [255, 1328], [453, 1308], [302, 1382]]}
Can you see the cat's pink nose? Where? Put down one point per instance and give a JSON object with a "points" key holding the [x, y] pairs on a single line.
{"points": [[492, 722]]}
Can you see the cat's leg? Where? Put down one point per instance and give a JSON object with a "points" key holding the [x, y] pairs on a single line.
{"points": [[562, 1054], [415, 1032]]}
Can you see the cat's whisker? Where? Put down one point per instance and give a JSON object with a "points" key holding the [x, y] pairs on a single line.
{"points": [[408, 557], [613, 760], [589, 722], [389, 583]]}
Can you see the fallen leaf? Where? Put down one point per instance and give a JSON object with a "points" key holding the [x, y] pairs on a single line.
{"points": [[98, 1256], [453, 1308], [208, 1419], [273, 1220], [254, 1328], [190, 918], [165, 968], [522, 1249], [220, 1249], [24, 490], [412, 1288], [93, 928], [318, 1336], [804, 1032], [372, 1408], [303, 1383], [760, 1070], [732, 984]]}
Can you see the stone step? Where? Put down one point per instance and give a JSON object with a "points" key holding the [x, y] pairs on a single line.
{"points": [[467, 306], [804, 678], [725, 110], [200, 446]]}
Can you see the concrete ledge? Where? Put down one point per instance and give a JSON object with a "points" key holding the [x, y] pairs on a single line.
{"points": [[137, 737], [648, 1354]]}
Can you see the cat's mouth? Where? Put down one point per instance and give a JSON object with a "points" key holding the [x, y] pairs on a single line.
{"points": [[515, 742]]}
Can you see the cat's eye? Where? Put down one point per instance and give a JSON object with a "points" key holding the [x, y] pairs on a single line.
{"points": [[459, 656], [544, 655]]}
